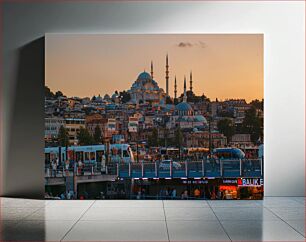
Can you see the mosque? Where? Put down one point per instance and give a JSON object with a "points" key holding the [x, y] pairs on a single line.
{"points": [[184, 116], [146, 90]]}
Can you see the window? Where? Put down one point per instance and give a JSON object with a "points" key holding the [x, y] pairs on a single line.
{"points": [[92, 156], [125, 153], [79, 156]]}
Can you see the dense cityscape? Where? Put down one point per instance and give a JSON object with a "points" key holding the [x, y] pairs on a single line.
{"points": [[155, 126]]}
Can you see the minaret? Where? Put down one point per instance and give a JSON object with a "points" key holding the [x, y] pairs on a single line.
{"points": [[191, 81], [152, 69], [185, 94], [167, 76], [175, 86]]}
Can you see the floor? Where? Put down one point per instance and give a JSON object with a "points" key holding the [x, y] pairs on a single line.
{"points": [[274, 219]]}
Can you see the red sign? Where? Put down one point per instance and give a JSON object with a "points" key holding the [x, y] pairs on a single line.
{"points": [[249, 182]]}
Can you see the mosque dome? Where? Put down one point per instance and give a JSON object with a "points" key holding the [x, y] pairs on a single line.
{"points": [[146, 90], [201, 118], [145, 82], [115, 95], [99, 98], [183, 106], [106, 97], [144, 75], [184, 109]]}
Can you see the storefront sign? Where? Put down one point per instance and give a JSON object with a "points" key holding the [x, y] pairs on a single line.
{"points": [[194, 181], [229, 181], [247, 182]]}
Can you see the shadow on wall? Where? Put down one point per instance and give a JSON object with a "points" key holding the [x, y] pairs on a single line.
{"points": [[25, 159], [31, 230]]}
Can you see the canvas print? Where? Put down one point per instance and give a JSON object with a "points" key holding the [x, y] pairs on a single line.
{"points": [[154, 116]]}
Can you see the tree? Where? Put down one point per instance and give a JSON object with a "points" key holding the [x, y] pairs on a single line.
{"points": [[252, 124], [204, 98], [257, 104], [97, 135], [63, 138], [88, 110], [59, 94], [226, 127], [169, 100], [84, 137], [124, 96], [48, 92], [191, 97], [178, 137], [153, 138], [225, 113]]}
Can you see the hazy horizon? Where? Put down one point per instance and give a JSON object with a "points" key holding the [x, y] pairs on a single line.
{"points": [[224, 66]]}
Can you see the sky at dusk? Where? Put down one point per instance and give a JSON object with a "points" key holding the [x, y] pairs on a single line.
{"points": [[224, 66]]}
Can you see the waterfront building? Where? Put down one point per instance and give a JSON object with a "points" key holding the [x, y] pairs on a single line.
{"points": [[94, 120], [108, 126], [73, 126], [237, 108], [202, 139], [133, 124], [111, 128], [77, 114], [52, 126], [241, 140]]}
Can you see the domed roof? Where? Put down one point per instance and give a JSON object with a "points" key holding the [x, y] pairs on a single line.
{"points": [[145, 82], [183, 106], [106, 96], [200, 118], [144, 75], [115, 95]]}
